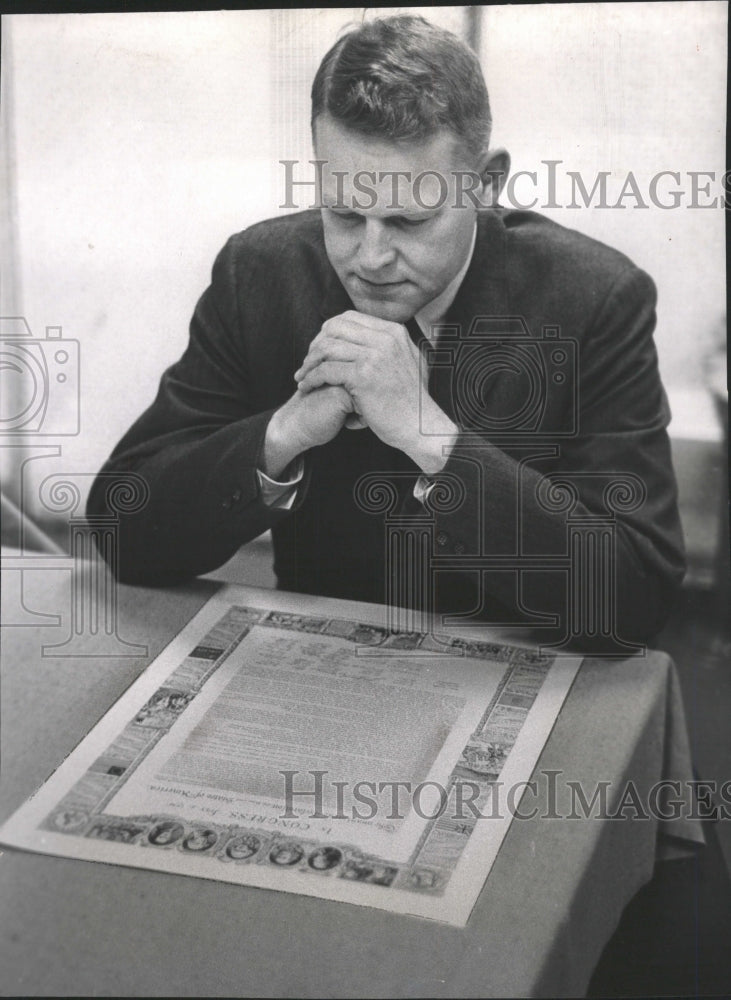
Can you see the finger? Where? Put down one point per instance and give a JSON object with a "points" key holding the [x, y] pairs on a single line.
{"points": [[369, 322], [359, 328], [338, 329], [343, 343], [355, 422], [329, 350], [328, 373], [371, 333]]}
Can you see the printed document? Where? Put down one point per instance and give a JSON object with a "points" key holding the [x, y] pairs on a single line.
{"points": [[309, 753]]}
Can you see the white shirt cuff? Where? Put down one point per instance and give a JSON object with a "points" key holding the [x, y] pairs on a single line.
{"points": [[281, 494], [423, 487]]}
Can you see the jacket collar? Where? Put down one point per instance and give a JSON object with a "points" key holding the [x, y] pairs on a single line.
{"points": [[484, 289]]}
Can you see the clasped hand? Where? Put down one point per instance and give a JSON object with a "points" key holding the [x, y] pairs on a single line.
{"points": [[377, 363], [361, 371]]}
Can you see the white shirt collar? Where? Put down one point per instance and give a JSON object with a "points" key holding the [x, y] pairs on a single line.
{"points": [[435, 311]]}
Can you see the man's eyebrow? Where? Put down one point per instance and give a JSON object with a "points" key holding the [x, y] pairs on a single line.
{"points": [[341, 208]]}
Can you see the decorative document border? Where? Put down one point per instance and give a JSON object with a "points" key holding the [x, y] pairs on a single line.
{"points": [[82, 811]]}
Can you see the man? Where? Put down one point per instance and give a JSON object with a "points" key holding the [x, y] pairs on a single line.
{"points": [[409, 340]]}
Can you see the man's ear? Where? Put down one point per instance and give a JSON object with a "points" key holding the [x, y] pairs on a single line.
{"points": [[494, 171]]}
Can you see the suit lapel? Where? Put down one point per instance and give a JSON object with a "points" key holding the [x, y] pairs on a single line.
{"points": [[317, 303], [336, 300], [483, 293]]}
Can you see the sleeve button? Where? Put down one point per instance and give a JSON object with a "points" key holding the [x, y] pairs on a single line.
{"points": [[442, 539], [459, 549], [236, 496], [226, 503]]}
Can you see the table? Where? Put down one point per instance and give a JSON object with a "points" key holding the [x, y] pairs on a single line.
{"points": [[553, 898]]}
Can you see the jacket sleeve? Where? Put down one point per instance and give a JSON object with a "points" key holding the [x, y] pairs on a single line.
{"points": [[197, 448], [584, 527]]}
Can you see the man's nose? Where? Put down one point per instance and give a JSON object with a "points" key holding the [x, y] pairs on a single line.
{"points": [[376, 248]]}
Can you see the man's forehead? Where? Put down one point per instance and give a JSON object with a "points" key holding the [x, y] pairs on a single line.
{"points": [[381, 174]]}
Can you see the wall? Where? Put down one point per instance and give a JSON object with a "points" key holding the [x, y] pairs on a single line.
{"points": [[637, 87]]}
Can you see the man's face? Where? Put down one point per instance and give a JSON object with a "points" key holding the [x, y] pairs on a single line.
{"points": [[390, 248]]}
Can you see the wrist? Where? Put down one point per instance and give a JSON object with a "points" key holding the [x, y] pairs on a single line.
{"points": [[433, 443], [281, 445]]}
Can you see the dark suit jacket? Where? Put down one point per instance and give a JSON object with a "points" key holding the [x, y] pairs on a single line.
{"points": [[590, 410]]}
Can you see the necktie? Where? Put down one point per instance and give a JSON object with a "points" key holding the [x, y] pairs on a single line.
{"points": [[415, 332], [439, 377]]}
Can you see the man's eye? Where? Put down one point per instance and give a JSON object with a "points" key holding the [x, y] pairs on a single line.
{"points": [[345, 216], [408, 222]]}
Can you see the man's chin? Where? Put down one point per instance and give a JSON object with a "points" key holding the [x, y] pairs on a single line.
{"points": [[394, 311]]}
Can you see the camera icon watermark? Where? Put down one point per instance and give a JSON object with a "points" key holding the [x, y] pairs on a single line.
{"points": [[503, 381], [40, 381]]}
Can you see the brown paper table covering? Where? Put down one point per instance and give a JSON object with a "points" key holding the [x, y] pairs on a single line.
{"points": [[551, 902]]}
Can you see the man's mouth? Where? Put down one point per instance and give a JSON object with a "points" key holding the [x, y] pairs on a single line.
{"points": [[378, 286]]}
